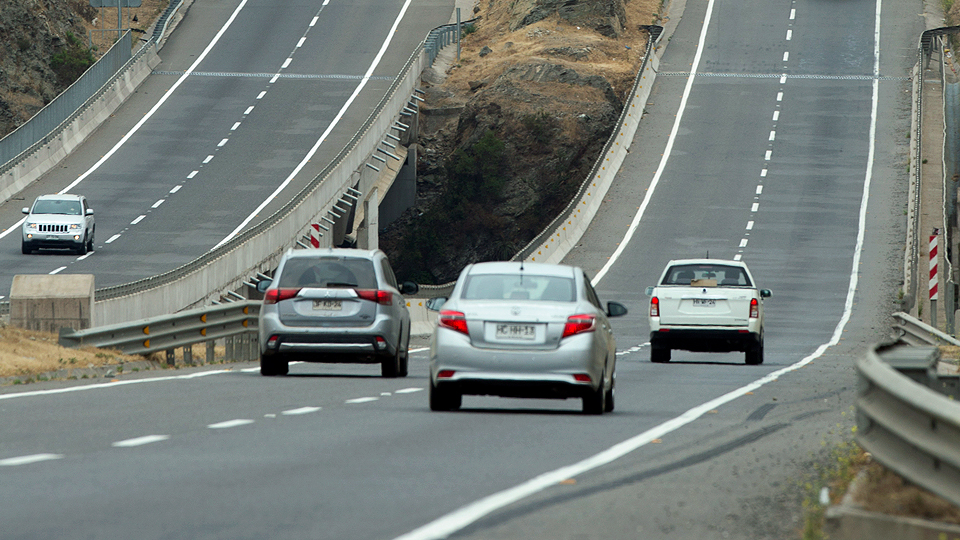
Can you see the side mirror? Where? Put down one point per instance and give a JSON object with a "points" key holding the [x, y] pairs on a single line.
{"points": [[649, 291], [409, 287], [766, 293], [263, 285], [434, 304], [616, 309], [25, 210], [89, 211]]}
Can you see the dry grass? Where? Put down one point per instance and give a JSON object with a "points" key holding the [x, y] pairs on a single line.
{"points": [[617, 59], [106, 20], [26, 353], [882, 490]]}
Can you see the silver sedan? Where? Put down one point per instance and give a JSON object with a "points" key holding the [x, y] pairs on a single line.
{"points": [[515, 329]]}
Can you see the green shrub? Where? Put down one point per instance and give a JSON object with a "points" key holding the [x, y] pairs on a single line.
{"points": [[70, 63]]}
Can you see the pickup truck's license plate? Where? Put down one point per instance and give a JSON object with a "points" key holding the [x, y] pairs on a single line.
{"points": [[705, 302], [516, 331], [328, 305]]}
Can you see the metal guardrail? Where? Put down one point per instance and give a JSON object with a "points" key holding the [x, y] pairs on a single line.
{"points": [[908, 417], [183, 329], [916, 332]]}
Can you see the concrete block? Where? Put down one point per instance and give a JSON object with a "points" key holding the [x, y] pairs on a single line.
{"points": [[48, 303]]}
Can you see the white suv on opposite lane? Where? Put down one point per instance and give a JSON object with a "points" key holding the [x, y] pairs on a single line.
{"points": [[59, 221]]}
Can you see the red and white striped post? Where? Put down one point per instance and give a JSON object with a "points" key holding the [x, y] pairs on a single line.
{"points": [[934, 279]]}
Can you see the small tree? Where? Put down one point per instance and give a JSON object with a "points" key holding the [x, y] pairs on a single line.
{"points": [[70, 63]]}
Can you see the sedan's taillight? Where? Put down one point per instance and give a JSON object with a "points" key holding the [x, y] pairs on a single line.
{"points": [[578, 324], [381, 297], [276, 295], [454, 320], [654, 307], [754, 308]]}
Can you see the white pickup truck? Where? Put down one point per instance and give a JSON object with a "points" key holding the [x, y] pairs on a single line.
{"points": [[706, 305]]}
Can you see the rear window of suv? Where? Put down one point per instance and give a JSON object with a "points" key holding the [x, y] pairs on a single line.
{"points": [[329, 272], [712, 274], [519, 287]]}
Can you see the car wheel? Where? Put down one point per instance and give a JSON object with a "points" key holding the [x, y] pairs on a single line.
{"points": [[82, 250], [443, 400], [754, 356], [405, 358], [390, 365], [273, 365], [609, 398], [90, 240], [660, 355], [596, 402], [26, 248]]}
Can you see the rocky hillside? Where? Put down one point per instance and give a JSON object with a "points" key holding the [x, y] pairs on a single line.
{"points": [[510, 132], [32, 35]]}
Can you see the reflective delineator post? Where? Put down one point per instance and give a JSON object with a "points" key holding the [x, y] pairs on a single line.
{"points": [[934, 280]]}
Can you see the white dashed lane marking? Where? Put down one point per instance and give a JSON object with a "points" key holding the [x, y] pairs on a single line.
{"points": [[140, 441], [230, 424], [408, 390], [361, 400], [301, 410], [58, 270], [27, 460]]}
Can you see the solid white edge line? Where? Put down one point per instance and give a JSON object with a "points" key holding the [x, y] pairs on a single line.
{"points": [[333, 124], [140, 441], [458, 519], [666, 153], [147, 116], [35, 393]]}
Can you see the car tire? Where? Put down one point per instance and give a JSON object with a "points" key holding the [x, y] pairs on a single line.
{"points": [[390, 365], [90, 240], [609, 401], [754, 357], [273, 365], [444, 400], [596, 402], [659, 355], [82, 250], [405, 358], [26, 248]]}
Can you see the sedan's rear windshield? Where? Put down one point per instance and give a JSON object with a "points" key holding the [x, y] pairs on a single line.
{"points": [[328, 272], [519, 287], [706, 275], [57, 206]]}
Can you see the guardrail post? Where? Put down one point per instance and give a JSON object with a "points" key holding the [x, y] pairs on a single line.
{"points": [[210, 351], [188, 354], [228, 345], [171, 359]]}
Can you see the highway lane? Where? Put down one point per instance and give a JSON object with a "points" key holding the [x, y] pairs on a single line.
{"points": [[721, 465], [229, 134]]}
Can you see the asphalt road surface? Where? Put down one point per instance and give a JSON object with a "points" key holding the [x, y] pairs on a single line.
{"points": [[775, 134]]}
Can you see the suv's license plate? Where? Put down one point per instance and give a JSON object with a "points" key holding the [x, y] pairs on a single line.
{"points": [[706, 302], [328, 305], [516, 331]]}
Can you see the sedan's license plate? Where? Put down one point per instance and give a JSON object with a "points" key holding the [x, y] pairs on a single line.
{"points": [[328, 305], [516, 331], [704, 302]]}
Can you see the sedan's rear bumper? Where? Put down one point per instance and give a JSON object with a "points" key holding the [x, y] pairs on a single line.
{"points": [[543, 386], [705, 340]]}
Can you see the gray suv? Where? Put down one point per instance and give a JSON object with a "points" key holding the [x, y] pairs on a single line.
{"points": [[334, 306], [58, 221]]}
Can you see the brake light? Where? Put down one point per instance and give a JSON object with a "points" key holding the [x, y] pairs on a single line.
{"points": [[654, 307], [582, 377], [754, 308], [445, 373], [381, 297], [578, 324], [276, 295], [454, 320]]}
